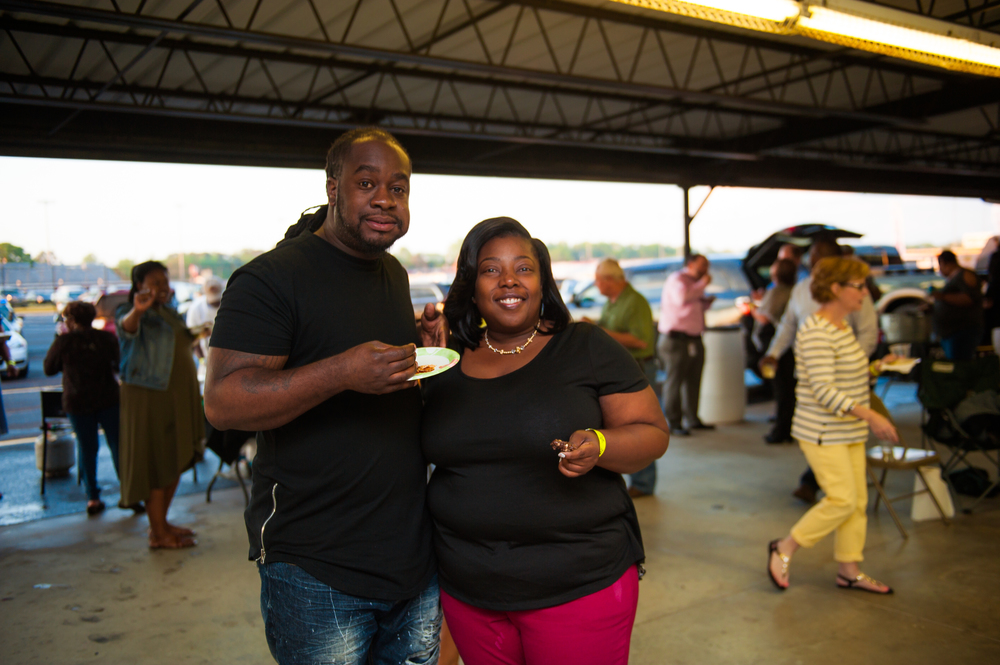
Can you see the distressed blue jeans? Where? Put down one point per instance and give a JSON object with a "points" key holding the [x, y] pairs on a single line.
{"points": [[308, 623]]}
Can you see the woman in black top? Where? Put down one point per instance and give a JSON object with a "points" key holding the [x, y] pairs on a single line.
{"points": [[88, 359], [538, 550]]}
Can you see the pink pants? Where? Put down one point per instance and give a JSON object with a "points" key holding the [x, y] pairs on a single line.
{"points": [[593, 630]]}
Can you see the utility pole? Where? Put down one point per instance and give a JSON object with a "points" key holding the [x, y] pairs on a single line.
{"points": [[48, 241]]}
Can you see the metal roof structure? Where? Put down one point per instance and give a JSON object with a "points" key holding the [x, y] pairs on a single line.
{"points": [[584, 89]]}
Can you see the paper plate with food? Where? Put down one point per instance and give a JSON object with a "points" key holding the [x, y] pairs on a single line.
{"points": [[432, 360]]}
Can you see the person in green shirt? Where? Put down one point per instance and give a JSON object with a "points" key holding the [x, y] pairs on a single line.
{"points": [[627, 317]]}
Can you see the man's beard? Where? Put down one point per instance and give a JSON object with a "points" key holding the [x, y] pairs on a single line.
{"points": [[351, 235]]}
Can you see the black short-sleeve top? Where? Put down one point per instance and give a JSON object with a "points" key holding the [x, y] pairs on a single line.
{"points": [[513, 533]]}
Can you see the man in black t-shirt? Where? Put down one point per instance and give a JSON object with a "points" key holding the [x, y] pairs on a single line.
{"points": [[313, 348], [958, 309]]}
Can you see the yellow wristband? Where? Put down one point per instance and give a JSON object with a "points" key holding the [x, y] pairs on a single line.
{"points": [[600, 439]]}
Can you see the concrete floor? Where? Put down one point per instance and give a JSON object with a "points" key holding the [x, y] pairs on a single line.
{"points": [[705, 599]]}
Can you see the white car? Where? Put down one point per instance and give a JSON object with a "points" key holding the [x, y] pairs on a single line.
{"points": [[18, 349]]}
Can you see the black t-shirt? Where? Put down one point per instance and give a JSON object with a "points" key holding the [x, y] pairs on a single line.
{"points": [[342, 487], [512, 532], [951, 319]]}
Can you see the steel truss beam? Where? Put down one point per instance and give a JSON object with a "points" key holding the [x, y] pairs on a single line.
{"points": [[744, 116]]}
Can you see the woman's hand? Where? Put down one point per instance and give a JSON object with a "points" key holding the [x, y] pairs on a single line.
{"points": [[885, 360], [882, 428], [143, 300], [578, 462]]}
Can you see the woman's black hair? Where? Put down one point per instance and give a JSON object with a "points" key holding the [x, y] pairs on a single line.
{"points": [[81, 312], [463, 315], [139, 273]]}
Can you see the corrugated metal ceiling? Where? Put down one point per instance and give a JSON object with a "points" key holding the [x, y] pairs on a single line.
{"points": [[543, 88]]}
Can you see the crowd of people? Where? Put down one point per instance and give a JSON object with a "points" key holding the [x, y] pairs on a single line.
{"points": [[487, 503]]}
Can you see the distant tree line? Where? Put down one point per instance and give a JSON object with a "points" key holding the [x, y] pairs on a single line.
{"points": [[599, 250]]}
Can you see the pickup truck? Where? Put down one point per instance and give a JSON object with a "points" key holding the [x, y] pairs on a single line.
{"points": [[903, 285]]}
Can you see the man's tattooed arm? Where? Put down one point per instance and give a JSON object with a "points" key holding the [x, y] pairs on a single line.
{"points": [[240, 390], [254, 392]]}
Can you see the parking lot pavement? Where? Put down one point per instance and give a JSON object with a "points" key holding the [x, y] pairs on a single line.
{"points": [[20, 483]]}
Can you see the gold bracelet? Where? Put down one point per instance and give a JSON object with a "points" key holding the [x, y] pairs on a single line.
{"points": [[600, 439]]}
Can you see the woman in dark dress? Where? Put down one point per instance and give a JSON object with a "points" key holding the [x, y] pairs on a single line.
{"points": [[88, 360], [539, 551], [162, 421]]}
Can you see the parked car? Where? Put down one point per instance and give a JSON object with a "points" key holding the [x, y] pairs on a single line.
{"points": [[18, 348], [14, 297], [106, 306], [421, 294], [66, 293], [7, 313], [648, 276]]}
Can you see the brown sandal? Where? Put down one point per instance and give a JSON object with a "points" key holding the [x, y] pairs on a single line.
{"points": [[855, 584], [772, 549]]}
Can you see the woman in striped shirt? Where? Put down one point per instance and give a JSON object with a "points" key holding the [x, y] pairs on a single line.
{"points": [[831, 422]]}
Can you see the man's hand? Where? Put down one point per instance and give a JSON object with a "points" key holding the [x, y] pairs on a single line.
{"points": [[578, 462], [376, 368], [767, 361], [433, 327], [12, 371]]}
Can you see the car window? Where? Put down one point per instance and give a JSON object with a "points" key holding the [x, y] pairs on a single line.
{"points": [[726, 277], [650, 283], [590, 297], [423, 293]]}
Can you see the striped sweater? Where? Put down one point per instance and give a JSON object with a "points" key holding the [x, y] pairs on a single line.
{"points": [[833, 377]]}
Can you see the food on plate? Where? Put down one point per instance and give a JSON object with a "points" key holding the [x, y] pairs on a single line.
{"points": [[421, 369], [563, 446]]}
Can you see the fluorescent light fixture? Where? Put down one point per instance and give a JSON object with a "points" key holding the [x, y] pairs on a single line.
{"points": [[770, 10], [762, 15], [858, 25], [891, 39]]}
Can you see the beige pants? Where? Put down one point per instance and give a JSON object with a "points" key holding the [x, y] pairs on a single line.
{"points": [[841, 472]]}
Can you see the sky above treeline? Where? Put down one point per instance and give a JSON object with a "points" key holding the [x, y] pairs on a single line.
{"points": [[138, 211]]}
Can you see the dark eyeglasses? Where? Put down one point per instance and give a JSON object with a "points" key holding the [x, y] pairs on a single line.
{"points": [[854, 285]]}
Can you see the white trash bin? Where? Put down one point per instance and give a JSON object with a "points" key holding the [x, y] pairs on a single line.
{"points": [[723, 397]]}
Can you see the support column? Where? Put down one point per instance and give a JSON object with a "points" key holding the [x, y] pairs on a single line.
{"points": [[687, 221]]}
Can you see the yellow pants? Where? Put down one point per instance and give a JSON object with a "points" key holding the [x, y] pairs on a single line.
{"points": [[841, 471]]}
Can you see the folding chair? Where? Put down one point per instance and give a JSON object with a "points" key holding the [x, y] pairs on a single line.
{"points": [[227, 445], [899, 458], [943, 385]]}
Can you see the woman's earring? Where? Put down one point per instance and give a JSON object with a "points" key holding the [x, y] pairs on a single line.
{"points": [[482, 322], [541, 312]]}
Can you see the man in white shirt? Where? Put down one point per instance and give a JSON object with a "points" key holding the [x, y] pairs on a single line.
{"points": [[203, 311]]}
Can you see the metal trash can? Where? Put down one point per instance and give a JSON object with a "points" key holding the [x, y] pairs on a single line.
{"points": [[905, 326], [723, 397]]}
